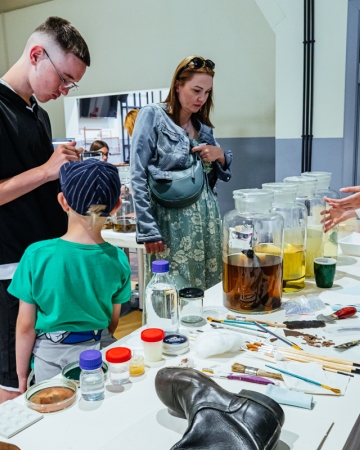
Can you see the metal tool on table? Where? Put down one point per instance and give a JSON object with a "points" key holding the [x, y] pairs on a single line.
{"points": [[342, 313], [347, 344], [236, 376], [257, 333]]}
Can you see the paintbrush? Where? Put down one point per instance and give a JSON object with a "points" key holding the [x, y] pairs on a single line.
{"points": [[287, 341], [308, 380], [234, 322], [238, 330], [300, 357], [240, 368], [322, 357], [290, 325]]}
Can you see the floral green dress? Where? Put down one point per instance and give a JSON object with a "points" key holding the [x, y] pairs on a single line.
{"points": [[192, 239]]}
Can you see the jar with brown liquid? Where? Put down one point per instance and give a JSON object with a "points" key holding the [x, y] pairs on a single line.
{"points": [[252, 254], [295, 217]]}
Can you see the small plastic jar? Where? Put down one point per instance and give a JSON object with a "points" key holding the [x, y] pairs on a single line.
{"points": [[119, 364], [152, 339], [137, 366]]}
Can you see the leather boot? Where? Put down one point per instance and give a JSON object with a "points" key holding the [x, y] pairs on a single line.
{"points": [[219, 419]]}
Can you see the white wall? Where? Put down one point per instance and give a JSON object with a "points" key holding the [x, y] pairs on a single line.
{"points": [[3, 59], [286, 19], [137, 45]]}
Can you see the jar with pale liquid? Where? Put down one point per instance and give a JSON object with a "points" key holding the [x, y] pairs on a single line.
{"points": [[252, 254], [161, 299], [295, 216], [314, 206], [323, 190]]}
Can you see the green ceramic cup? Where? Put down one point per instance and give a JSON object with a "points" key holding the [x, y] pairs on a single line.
{"points": [[324, 269]]}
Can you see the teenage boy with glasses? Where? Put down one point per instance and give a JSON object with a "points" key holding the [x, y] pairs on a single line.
{"points": [[29, 167]]}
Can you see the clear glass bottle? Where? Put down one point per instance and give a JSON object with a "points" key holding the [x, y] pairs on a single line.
{"points": [[252, 254], [295, 217], [161, 299], [314, 206], [92, 383], [323, 190], [119, 364]]}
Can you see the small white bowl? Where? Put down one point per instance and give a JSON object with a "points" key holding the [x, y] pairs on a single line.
{"points": [[350, 245]]}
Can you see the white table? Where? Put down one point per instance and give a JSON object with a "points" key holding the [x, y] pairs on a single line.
{"points": [[134, 418], [128, 240]]}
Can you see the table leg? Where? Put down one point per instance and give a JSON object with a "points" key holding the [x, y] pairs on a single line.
{"points": [[141, 263]]}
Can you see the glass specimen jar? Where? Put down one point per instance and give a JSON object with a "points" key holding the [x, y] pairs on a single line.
{"points": [[252, 254], [323, 190], [314, 206], [295, 216], [119, 362]]}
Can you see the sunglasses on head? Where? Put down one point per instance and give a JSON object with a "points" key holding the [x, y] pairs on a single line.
{"points": [[198, 63]]}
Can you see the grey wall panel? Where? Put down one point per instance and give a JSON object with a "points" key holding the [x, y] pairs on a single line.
{"points": [[327, 156], [253, 164]]}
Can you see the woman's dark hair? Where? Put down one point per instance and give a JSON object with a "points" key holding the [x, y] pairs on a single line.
{"points": [[182, 75], [66, 36], [97, 145]]}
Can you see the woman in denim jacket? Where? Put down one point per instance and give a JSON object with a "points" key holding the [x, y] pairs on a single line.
{"points": [[164, 136]]}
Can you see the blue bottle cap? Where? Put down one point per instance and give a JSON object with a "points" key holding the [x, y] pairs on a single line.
{"points": [[90, 360], [160, 266]]}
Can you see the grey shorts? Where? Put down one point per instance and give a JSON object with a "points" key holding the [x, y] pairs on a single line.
{"points": [[51, 357]]}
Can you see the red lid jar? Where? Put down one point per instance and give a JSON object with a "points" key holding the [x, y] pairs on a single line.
{"points": [[152, 335], [118, 355]]}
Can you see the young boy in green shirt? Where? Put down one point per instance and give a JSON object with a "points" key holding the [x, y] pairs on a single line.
{"points": [[71, 288]]}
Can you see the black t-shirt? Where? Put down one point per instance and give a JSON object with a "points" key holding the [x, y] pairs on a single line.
{"points": [[25, 143]]}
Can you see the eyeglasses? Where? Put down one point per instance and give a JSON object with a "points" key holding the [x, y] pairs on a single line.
{"points": [[198, 63], [66, 84]]}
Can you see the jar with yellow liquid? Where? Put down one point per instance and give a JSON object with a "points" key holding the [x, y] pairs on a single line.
{"points": [[252, 254], [295, 217], [323, 190], [314, 207]]}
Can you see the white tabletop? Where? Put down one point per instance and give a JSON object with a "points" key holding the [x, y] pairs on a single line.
{"points": [[134, 418], [125, 240]]}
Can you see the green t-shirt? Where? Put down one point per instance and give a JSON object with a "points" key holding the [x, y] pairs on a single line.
{"points": [[73, 285]]}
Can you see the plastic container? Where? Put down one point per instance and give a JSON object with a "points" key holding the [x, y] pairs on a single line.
{"points": [[92, 383], [175, 344], [295, 218], [119, 362], [51, 395], [191, 305], [137, 366], [252, 254], [72, 372], [161, 302], [152, 339]]}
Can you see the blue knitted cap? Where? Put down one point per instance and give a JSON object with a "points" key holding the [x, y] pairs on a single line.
{"points": [[90, 182]]}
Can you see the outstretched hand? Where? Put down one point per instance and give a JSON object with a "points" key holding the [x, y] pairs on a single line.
{"points": [[348, 203], [334, 216]]}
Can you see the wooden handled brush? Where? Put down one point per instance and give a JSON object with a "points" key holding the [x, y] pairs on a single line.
{"points": [[240, 368]]}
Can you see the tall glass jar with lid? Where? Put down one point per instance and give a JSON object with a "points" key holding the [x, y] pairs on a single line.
{"points": [[252, 254], [295, 217], [314, 206], [323, 190]]}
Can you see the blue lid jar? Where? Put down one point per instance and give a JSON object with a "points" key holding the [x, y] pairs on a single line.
{"points": [[90, 360], [160, 266]]}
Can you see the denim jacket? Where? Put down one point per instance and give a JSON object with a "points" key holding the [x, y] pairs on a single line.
{"points": [[159, 146]]}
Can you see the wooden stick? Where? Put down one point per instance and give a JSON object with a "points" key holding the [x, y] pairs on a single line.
{"points": [[299, 357], [323, 357], [246, 319]]}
